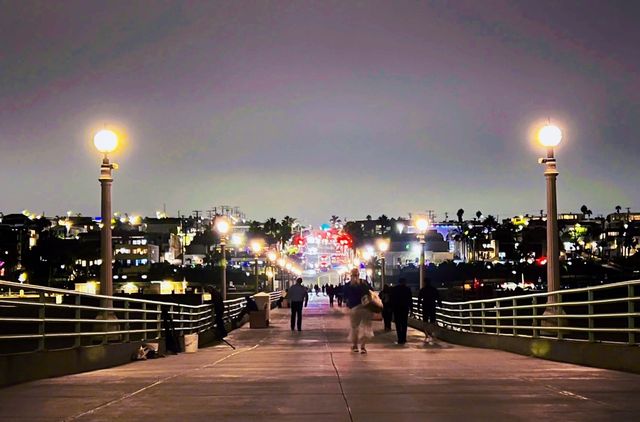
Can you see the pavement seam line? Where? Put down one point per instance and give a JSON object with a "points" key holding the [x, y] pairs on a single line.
{"points": [[129, 395], [335, 368], [346, 402]]}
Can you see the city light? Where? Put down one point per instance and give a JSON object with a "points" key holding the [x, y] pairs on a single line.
{"points": [[422, 224], [256, 246], [222, 225], [383, 245]]}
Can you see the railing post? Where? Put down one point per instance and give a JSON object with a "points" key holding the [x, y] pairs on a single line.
{"points": [[159, 320], [498, 317], [592, 336], [127, 325], [144, 317], [77, 327], [41, 323], [482, 316], [471, 314], [631, 309], [560, 311], [514, 314], [534, 314]]}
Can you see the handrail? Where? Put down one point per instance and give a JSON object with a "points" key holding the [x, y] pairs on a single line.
{"points": [[46, 318], [604, 313]]}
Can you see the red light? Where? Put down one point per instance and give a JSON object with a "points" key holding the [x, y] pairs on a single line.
{"points": [[542, 260]]}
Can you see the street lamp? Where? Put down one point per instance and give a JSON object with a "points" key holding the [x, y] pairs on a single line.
{"points": [[550, 136], [256, 247], [223, 226], [422, 224], [383, 247], [106, 141], [272, 256]]}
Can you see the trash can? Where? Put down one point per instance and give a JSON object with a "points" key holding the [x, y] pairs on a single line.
{"points": [[191, 343], [260, 318]]}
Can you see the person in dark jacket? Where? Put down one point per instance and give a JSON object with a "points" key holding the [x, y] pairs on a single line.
{"points": [[250, 306], [428, 297], [401, 299], [331, 292], [387, 310], [218, 311]]}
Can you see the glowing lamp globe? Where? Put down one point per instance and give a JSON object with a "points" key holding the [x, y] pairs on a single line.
{"points": [[422, 224], [550, 136], [105, 141], [383, 245], [222, 226], [256, 247], [272, 256]]}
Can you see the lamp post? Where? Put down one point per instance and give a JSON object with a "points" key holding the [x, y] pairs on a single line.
{"points": [[272, 256], [222, 227], [383, 247], [550, 136], [422, 224], [256, 247], [106, 141]]}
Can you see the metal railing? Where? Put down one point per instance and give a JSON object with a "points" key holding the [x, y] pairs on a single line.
{"points": [[605, 313], [36, 318]]}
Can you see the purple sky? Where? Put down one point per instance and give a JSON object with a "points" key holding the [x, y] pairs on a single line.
{"points": [[319, 108]]}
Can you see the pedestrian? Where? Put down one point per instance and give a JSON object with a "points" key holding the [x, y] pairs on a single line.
{"points": [[218, 311], [387, 309], [339, 291], [359, 316], [428, 297], [250, 306], [172, 345], [317, 289], [401, 300], [331, 292], [297, 296]]}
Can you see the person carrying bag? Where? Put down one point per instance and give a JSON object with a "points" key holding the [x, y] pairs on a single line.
{"points": [[356, 292], [371, 301]]}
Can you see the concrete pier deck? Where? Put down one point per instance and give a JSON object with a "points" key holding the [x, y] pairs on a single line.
{"points": [[279, 375]]}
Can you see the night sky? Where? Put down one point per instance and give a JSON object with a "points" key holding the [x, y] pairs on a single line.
{"points": [[311, 109]]}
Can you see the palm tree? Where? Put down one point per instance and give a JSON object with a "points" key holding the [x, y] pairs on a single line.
{"points": [[255, 228], [354, 230], [384, 223], [286, 230], [334, 220], [478, 214], [618, 208], [460, 213], [584, 210], [271, 229]]}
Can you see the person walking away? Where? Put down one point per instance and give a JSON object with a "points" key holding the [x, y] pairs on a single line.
{"points": [[331, 292], [401, 303], [317, 289], [218, 311], [359, 316], [428, 297], [339, 291], [297, 296], [387, 310]]}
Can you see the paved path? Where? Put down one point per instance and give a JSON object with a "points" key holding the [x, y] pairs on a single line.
{"points": [[279, 375]]}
